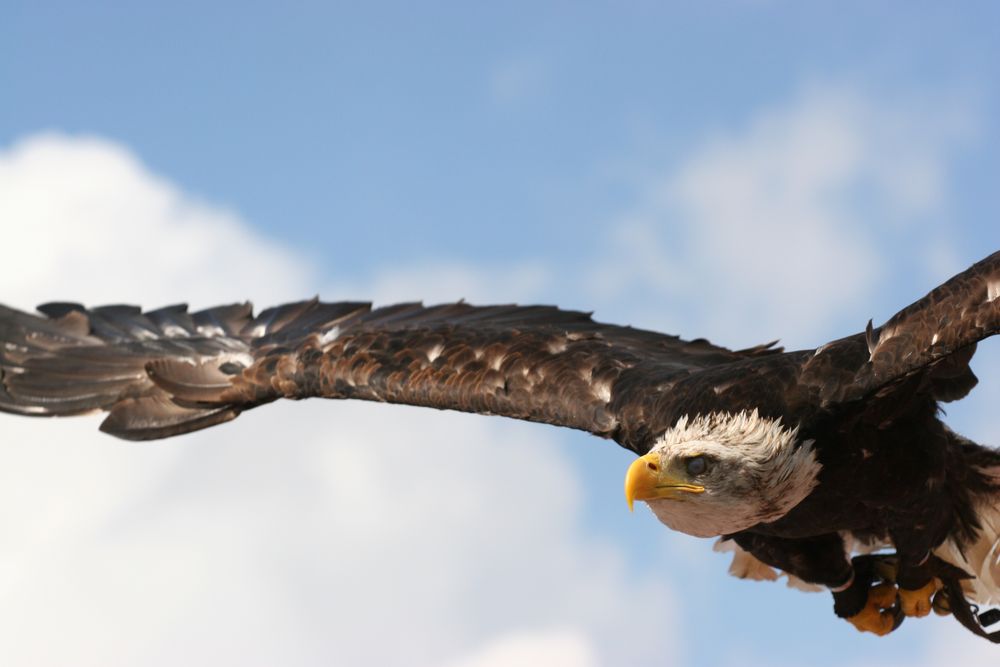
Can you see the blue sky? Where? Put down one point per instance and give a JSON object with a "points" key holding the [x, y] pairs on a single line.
{"points": [[744, 171], [401, 117]]}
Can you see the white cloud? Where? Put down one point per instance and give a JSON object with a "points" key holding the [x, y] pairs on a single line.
{"points": [[555, 649], [82, 218], [312, 533], [783, 227]]}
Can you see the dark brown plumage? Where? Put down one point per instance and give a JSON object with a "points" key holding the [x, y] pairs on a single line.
{"points": [[167, 371], [867, 401]]}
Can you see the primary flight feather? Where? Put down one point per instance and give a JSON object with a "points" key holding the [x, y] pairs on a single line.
{"points": [[797, 460]]}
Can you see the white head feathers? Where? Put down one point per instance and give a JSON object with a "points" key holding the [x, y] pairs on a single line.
{"points": [[757, 473]]}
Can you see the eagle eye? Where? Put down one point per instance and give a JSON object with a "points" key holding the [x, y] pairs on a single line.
{"points": [[696, 465]]}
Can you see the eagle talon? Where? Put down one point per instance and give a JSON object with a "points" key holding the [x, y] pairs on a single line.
{"points": [[918, 602], [878, 615], [941, 603]]}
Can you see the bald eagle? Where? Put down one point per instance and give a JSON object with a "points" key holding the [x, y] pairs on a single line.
{"points": [[801, 461]]}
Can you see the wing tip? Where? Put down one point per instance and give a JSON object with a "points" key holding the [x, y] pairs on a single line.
{"points": [[154, 418]]}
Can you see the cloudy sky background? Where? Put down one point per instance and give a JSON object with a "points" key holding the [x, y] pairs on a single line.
{"points": [[743, 171]]}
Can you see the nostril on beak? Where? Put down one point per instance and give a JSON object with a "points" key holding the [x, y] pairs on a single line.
{"points": [[652, 466]]}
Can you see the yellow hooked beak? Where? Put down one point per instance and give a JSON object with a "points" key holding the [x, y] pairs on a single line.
{"points": [[646, 479]]}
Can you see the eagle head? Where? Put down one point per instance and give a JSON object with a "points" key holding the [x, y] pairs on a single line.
{"points": [[721, 473]]}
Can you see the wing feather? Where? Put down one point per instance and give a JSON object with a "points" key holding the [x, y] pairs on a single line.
{"points": [[158, 416], [935, 336], [167, 371]]}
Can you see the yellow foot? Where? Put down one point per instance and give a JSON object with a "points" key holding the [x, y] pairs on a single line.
{"points": [[876, 617], [918, 603]]}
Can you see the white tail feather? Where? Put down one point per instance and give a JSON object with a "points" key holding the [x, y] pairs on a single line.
{"points": [[802, 584], [745, 565], [982, 558]]}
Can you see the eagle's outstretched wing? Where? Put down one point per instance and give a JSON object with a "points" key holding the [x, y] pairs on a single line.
{"points": [[934, 338], [166, 372]]}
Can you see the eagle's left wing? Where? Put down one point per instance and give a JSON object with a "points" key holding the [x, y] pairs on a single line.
{"points": [[935, 336]]}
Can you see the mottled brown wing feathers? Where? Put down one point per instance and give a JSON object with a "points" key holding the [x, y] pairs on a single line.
{"points": [[935, 336], [536, 363], [158, 416], [290, 322], [958, 313], [168, 371], [78, 360]]}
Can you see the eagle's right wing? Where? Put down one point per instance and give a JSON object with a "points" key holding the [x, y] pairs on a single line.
{"points": [[166, 372]]}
